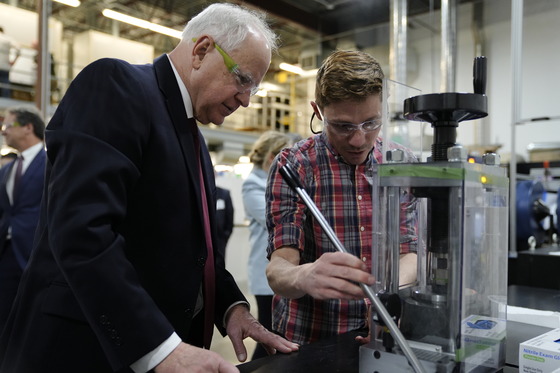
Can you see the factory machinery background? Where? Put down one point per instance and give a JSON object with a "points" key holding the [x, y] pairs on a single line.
{"points": [[419, 42]]}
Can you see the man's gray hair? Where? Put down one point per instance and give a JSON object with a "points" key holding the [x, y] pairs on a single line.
{"points": [[229, 25]]}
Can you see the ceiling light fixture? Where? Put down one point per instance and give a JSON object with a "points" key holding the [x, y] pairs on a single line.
{"points": [[297, 70], [291, 68], [141, 23], [72, 3]]}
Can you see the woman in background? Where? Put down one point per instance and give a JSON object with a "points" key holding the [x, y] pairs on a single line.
{"points": [[264, 150]]}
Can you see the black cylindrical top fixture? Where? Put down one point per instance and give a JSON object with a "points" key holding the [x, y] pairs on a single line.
{"points": [[479, 75]]}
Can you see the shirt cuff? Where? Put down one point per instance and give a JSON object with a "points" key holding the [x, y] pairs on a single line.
{"points": [[156, 356], [233, 305]]}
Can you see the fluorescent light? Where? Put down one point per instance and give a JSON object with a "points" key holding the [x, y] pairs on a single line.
{"points": [[142, 23], [298, 70], [73, 3], [291, 68]]}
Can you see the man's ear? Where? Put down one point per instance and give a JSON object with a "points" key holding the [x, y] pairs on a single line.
{"points": [[316, 110], [202, 46], [28, 126]]}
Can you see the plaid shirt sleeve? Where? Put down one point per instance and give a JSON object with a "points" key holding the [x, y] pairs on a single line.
{"points": [[285, 210]]}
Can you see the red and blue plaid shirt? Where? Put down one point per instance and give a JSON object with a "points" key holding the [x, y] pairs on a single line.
{"points": [[343, 194]]}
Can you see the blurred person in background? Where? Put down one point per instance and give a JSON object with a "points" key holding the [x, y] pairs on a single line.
{"points": [[253, 191], [9, 53], [224, 221], [21, 189]]}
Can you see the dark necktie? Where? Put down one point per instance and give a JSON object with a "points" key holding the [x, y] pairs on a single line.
{"points": [[209, 273], [17, 176]]}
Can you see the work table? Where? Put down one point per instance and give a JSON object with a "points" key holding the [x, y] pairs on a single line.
{"points": [[340, 354]]}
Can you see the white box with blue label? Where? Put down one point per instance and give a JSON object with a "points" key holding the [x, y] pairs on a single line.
{"points": [[483, 341], [541, 354]]}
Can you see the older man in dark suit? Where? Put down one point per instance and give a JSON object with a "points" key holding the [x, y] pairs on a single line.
{"points": [[124, 275], [21, 188]]}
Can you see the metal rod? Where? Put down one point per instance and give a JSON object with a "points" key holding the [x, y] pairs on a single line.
{"points": [[448, 61], [42, 87], [516, 68], [294, 182]]}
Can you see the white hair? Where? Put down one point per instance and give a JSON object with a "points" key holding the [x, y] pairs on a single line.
{"points": [[229, 25]]}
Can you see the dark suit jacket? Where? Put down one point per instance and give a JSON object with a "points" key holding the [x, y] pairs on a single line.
{"points": [[23, 215], [120, 251]]}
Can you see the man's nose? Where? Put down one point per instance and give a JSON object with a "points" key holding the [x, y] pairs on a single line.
{"points": [[357, 138], [244, 98]]}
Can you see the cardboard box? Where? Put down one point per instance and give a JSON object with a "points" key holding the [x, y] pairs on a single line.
{"points": [[541, 354]]}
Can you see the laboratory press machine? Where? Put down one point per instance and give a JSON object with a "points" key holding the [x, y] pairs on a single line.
{"points": [[454, 316]]}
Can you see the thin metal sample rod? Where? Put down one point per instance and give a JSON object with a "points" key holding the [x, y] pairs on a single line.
{"points": [[293, 181]]}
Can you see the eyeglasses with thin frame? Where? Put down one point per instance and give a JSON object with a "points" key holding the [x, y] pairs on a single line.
{"points": [[6, 126], [244, 81], [347, 129]]}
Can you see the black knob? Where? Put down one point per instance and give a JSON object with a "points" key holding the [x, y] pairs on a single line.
{"points": [[479, 75]]}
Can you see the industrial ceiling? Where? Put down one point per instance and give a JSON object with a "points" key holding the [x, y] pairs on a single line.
{"points": [[299, 23]]}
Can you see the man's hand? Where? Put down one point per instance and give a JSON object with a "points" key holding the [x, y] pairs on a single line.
{"points": [[240, 324], [186, 358], [335, 276], [332, 276]]}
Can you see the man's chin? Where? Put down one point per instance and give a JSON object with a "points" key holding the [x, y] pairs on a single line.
{"points": [[206, 120], [218, 121], [354, 159]]}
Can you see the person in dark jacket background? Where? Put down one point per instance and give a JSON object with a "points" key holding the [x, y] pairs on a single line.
{"points": [[21, 188], [224, 220]]}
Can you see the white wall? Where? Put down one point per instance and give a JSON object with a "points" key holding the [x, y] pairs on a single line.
{"points": [[22, 25], [93, 45], [541, 71]]}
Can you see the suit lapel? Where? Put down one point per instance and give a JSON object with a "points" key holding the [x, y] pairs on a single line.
{"points": [[176, 108]]}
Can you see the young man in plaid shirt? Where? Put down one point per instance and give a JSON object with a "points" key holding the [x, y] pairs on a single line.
{"points": [[316, 287]]}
